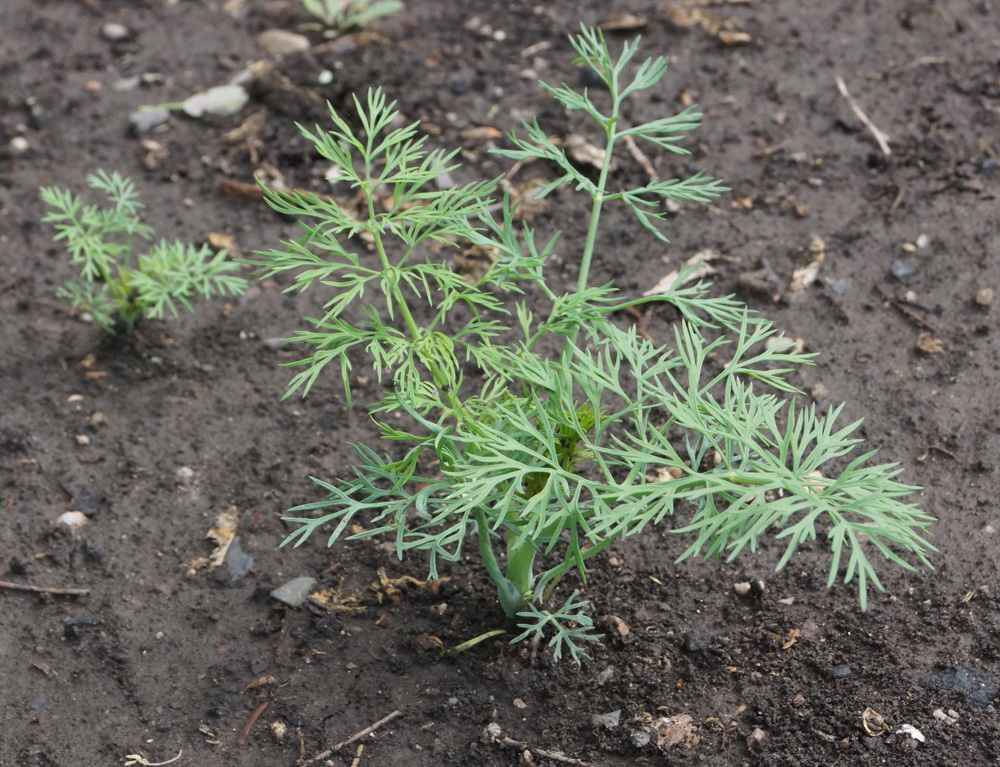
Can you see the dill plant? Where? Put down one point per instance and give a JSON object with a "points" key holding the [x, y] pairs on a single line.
{"points": [[552, 457], [116, 287]]}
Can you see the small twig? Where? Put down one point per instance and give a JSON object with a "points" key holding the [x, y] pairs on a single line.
{"points": [[133, 759], [242, 737], [920, 62], [880, 137], [357, 755], [906, 311], [356, 736], [44, 590], [556, 756], [11, 284], [640, 157], [944, 450]]}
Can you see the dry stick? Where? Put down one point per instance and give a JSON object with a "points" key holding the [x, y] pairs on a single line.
{"points": [[640, 157], [556, 756], [357, 755], [880, 137], [44, 590], [242, 737], [356, 736]]}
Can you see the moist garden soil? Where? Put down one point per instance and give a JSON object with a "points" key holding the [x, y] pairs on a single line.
{"points": [[154, 435]]}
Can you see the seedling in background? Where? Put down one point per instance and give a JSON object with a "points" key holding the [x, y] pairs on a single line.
{"points": [[115, 287], [339, 16], [553, 457]]}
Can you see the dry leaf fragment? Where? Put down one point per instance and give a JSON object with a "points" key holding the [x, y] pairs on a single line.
{"points": [[793, 637], [672, 730], [222, 533], [621, 627], [483, 133], [703, 270], [928, 344], [802, 278], [622, 20]]}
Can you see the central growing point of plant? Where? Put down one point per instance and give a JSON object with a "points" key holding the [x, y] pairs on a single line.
{"points": [[551, 457]]}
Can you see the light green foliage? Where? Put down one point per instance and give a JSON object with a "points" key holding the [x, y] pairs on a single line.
{"points": [[115, 287], [337, 16], [553, 457]]}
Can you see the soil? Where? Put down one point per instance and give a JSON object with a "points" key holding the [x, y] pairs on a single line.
{"points": [[152, 660]]}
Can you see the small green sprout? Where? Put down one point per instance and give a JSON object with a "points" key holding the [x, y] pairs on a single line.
{"points": [[571, 433], [115, 287], [339, 16]]}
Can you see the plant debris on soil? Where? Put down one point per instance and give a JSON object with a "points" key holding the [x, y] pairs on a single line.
{"points": [[128, 636]]}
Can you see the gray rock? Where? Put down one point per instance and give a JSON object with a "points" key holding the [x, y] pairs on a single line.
{"points": [[641, 738], [236, 564], [983, 688], [606, 676], [295, 592], [900, 270], [144, 120], [696, 641], [609, 721], [842, 671]]}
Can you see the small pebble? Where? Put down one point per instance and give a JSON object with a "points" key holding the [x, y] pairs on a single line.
{"points": [[444, 181], [989, 165], [126, 83], [900, 270], [742, 589], [116, 33], [73, 519], [984, 296], [144, 120], [281, 42], [923, 241], [819, 391], [605, 676], [756, 739], [19, 145]]}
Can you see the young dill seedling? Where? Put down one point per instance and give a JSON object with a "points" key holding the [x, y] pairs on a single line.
{"points": [[115, 287], [339, 16], [553, 457]]}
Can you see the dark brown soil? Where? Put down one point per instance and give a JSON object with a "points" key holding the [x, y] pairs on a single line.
{"points": [[153, 659]]}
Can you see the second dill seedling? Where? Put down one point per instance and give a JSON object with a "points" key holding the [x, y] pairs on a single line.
{"points": [[117, 286]]}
